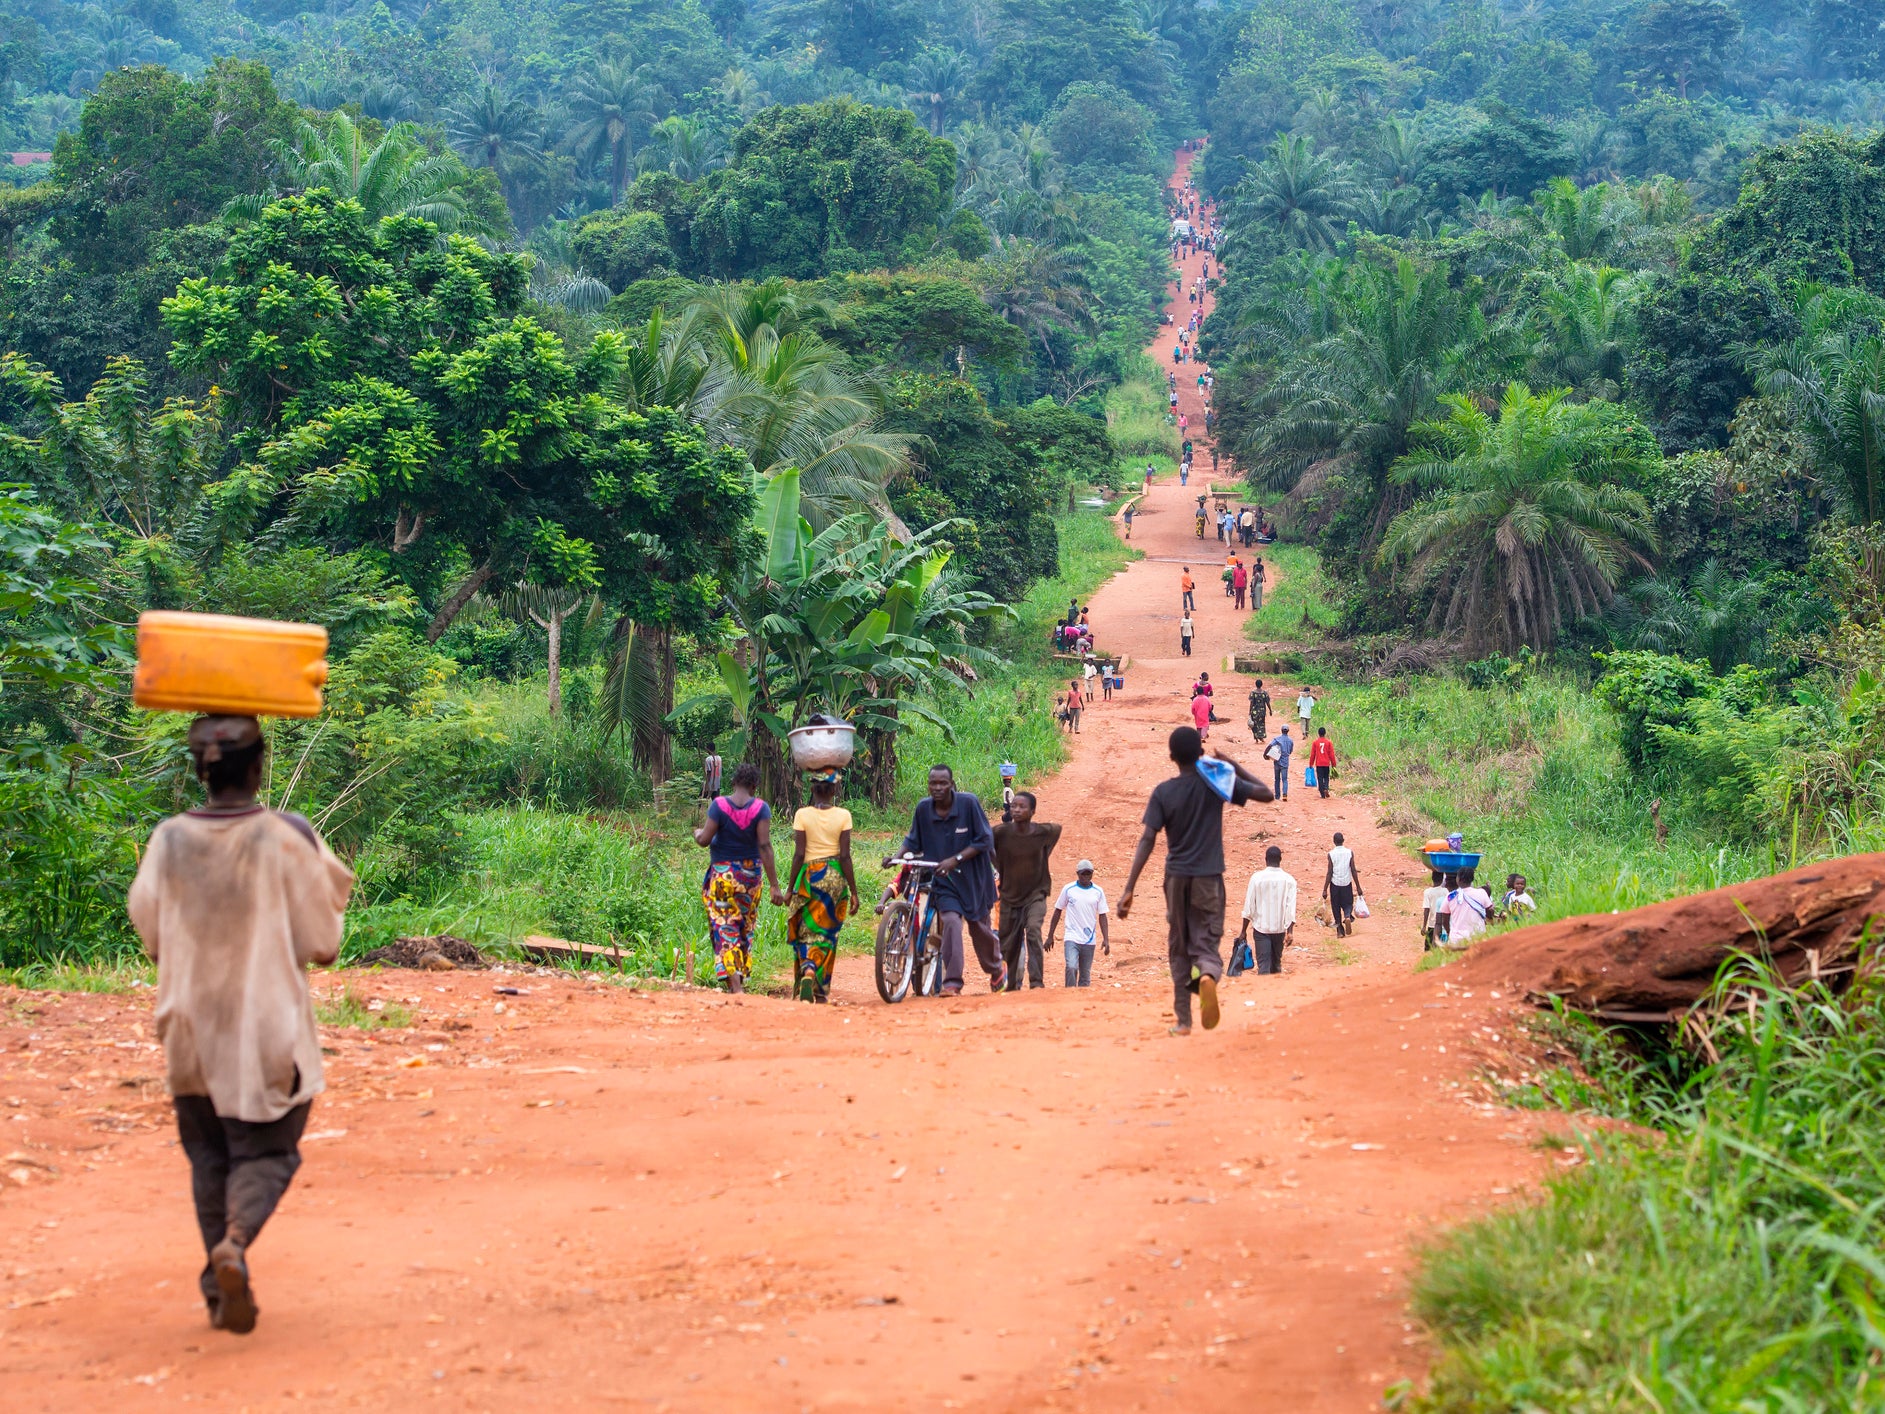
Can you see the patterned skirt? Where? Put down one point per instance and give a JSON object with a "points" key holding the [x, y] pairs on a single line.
{"points": [[731, 892], [821, 900]]}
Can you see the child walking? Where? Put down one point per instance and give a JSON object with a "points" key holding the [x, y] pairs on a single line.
{"points": [[1083, 903], [233, 901]]}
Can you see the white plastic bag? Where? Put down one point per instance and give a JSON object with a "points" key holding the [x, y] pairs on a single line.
{"points": [[1361, 906]]}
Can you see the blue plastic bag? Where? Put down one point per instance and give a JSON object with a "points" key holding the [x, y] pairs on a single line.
{"points": [[1218, 775], [1308, 775]]}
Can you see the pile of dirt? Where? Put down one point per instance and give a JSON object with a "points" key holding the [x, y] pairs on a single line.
{"points": [[441, 954], [1652, 962]]}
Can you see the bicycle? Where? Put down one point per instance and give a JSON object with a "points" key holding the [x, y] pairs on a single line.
{"points": [[909, 939]]}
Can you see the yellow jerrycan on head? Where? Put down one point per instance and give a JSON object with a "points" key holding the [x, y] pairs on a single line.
{"points": [[222, 665]]}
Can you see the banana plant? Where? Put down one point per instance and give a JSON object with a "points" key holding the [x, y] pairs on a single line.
{"points": [[850, 621]]}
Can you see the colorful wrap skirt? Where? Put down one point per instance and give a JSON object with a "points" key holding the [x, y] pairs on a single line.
{"points": [[821, 900], [731, 892]]}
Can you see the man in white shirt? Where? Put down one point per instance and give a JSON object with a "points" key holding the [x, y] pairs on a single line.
{"points": [[1270, 911], [1305, 704], [1432, 904], [1083, 903], [1341, 881]]}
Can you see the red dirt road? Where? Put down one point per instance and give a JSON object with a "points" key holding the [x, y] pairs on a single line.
{"points": [[597, 1198]]}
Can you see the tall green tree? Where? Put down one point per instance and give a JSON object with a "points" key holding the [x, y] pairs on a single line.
{"points": [[1833, 379], [1526, 519]]}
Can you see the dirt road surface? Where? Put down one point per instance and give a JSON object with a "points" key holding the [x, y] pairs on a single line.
{"points": [[583, 1197]]}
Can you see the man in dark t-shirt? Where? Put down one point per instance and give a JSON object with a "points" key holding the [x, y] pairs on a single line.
{"points": [[1022, 848], [1190, 813]]}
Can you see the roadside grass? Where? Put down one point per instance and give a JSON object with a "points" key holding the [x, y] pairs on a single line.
{"points": [[1731, 1266], [113, 974], [1139, 418], [1534, 777], [1298, 608]]}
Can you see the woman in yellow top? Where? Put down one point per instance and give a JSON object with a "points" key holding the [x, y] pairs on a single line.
{"points": [[823, 887]]}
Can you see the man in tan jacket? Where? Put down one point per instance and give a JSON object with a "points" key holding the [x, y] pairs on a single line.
{"points": [[234, 901]]}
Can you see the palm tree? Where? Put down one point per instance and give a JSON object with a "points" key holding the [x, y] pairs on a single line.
{"points": [[613, 101], [1296, 192], [1396, 211], [1833, 378], [1582, 324], [1397, 339], [1400, 152], [686, 147], [1585, 222], [937, 78], [547, 608], [1527, 520], [1036, 287], [494, 131], [394, 177]]}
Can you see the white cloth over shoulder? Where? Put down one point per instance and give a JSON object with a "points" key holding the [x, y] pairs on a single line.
{"points": [[1270, 901], [234, 908]]}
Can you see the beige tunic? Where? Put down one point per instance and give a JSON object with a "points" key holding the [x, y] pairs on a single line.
{"points": [[234, 908]]}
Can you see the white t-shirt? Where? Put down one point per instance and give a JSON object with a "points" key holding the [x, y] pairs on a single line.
{"points": [[1305, 705], [1082, 907], [1430, 902], [1342, 862], [1184, 627]]}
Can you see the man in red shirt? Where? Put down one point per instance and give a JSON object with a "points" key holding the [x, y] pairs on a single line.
{"points": [[1322, 758], [1201, 715]]}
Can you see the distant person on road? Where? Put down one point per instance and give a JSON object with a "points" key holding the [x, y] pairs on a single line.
{"points": [[1279, 750], [1256, 584], [1201, 716], [737, 835], [1186, 586], [1305, 704], [1071, 705], [711, 768], [823, 889], [1270, 912], [1259, 711], [951, 829], [1322, 760], [1083, 904], [1341, 881], [1185, 631], [1127, 517], [233, 901], [1189, 811], [1240, 582], [1023, 847]]}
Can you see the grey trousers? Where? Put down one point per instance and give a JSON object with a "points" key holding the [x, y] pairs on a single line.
{"points": [[987, 949], [1269, 951], [238, 1171], [1194, 925], [1021, 927], [1080, 964]]}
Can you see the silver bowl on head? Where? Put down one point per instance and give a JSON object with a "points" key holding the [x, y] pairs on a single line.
{"points": [[823, 746]]}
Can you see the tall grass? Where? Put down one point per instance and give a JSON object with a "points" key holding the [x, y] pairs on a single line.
{"points": [[1534, 777], [1296, 604], [1138, 415], [1732, 1266]]}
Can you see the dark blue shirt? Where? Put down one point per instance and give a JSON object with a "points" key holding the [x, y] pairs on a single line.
{"points": [[970, 888]]}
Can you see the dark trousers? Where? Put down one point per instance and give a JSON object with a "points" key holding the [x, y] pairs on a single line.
{"points": [[1021, 926], [1240, 598], [987, 949], [1342, 900], [1269, 951], [1322, 781], [1185, 643], [1194, 925], [238, 1171], [1189, 602]]}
